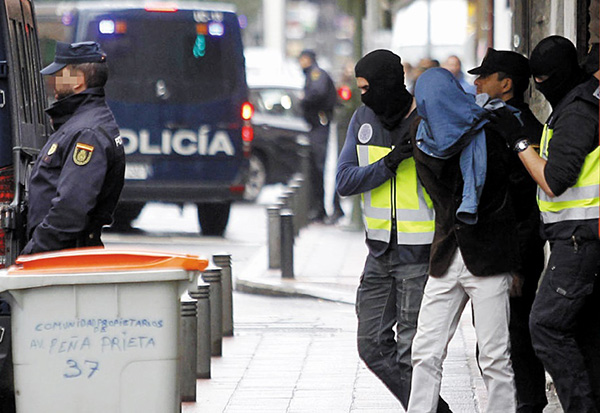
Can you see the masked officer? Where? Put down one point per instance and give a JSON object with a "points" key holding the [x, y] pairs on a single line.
{"points": [[78, 176], [318, 103], [505, 75], [564, 322], [376, 162]]}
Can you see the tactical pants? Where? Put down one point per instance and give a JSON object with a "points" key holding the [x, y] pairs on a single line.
{"points": [[565, 323]]}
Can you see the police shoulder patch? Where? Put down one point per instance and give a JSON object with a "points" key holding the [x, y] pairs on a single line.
{"points": [[315, 74], [82, 153]]}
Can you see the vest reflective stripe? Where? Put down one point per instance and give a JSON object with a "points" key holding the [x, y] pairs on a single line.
{"points": [[579, 202], [414, 209]]}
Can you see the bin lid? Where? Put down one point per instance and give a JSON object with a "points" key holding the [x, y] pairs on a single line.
{"points": [[104, 260]]}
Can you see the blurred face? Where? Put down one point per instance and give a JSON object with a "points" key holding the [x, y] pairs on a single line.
{"points": [[490, 84], [304, 61], [452, 65], [68, 82], [362, 84]]}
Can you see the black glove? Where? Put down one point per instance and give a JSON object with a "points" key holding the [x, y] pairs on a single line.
{"points": [[507, 125], [398, 154]]}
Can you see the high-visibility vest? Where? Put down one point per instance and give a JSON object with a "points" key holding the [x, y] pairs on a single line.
{"points": [[579, 202], [402, 197]]}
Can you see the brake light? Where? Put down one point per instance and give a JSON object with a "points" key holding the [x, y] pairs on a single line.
{"points": [[247, 133], [247, 111], [344, 92], [161, 7], [7, 194]]}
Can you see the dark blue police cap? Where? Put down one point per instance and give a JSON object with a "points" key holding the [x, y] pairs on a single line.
{"points": [[74, 53]]}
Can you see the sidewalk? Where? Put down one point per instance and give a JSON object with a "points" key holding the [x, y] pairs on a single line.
{"points": [[328, 261]]}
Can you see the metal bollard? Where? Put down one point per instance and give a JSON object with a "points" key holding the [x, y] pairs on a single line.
{"points": [[296, 187], [187, 349], [302, 198], [287, 244], [306, 170], [291, 194], [274, 236], [212, 275], [223, 260], [203, 349], [284, 199]]}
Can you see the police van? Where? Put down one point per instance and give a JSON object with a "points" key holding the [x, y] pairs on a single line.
{"points": [[177, 88], [23, 124], [23, 130]]}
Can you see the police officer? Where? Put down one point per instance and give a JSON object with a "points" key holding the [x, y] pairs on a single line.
{"points": [[376, 162], [318, 104], [564, 323], [505, 75], [78, 176]]}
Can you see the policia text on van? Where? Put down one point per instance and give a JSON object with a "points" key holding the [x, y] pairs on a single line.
{"points": [[178, 91]]}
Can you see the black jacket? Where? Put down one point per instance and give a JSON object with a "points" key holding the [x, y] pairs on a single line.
{"points": [[77, 179], [488, 247], [523, 191], [319, 96], [575, 124]]}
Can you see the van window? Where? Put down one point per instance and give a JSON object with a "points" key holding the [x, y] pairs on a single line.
{"points": [[193, 64]]}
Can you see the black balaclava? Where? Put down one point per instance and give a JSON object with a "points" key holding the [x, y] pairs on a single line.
{"points": [[556, 57], [387, 96]]}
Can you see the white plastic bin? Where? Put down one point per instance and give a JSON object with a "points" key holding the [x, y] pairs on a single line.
{"points": [[96, 330]]}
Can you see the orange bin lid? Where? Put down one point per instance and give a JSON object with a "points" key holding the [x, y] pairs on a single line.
{"points": [[102, 260]]}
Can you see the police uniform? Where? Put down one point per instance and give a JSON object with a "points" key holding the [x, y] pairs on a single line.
{"points": [[318, 103], [565, 321], [78, 176], [398, 217]]}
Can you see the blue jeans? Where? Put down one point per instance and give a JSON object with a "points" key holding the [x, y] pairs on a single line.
{"points": [[389, 295]]}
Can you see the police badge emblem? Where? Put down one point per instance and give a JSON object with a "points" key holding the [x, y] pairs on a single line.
{"points": [[82, 153]]}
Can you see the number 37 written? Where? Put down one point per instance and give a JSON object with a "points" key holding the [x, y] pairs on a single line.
{"points": [[76, 369]]}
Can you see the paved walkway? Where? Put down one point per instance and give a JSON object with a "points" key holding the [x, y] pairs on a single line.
{"points": [[314, 367]]}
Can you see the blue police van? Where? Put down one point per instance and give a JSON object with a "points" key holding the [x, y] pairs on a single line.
{"points": [[177, 88]]}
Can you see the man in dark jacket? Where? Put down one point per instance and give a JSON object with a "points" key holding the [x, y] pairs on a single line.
{"points": [[505, 75], [78, 176], [464, 166], [564, 323], [318, 103]]}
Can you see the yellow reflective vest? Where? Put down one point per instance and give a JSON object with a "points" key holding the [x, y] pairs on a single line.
{"points": [[402, 198], [579, 202]]}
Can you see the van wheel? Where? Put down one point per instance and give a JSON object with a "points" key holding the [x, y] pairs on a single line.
{"points": [[257, 177], [213, 217], [124, 214]]}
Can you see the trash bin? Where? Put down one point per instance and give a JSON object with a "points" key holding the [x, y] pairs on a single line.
{"points": [[96, 330]]}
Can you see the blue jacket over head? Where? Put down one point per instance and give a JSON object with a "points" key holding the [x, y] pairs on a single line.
{"points": [[453, 123]]}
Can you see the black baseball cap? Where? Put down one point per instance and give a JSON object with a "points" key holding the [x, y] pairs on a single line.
{"points": [[74, 53], [511, 63]]}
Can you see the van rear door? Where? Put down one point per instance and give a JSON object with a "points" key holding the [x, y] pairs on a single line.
{"points": [[176, 87], [23, 125]]}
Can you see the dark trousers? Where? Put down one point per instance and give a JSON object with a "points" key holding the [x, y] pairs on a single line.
{"points": [[565, 323], [318, 137], [530, 377], [386, 299]]}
